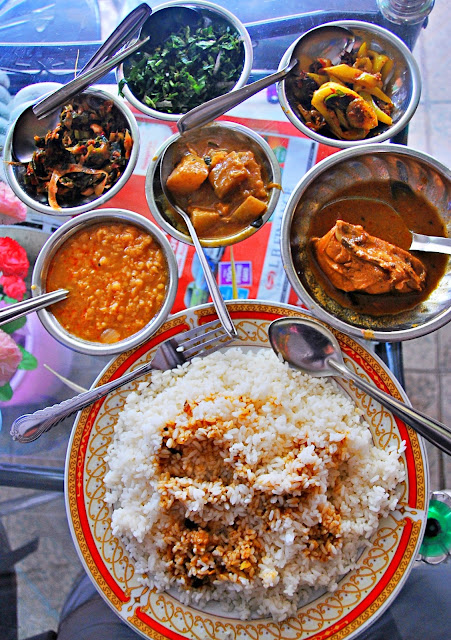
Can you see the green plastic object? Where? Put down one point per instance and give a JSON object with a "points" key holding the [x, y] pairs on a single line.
{"points": [[436, 545]]}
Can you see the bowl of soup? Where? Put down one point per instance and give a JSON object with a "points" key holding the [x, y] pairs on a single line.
{"points": [[368, 95], [121, 275], [345, 240], [225, 176], [190, 59]]}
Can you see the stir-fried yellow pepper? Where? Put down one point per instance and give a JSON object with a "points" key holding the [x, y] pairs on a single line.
{"points": [[350, 122], [363, 82]]}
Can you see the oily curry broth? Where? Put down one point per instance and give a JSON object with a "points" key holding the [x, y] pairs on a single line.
{"points": [[227, 223], [412, 212]]}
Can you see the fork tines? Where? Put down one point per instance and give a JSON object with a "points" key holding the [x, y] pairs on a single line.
{"points": [[202, 340]]}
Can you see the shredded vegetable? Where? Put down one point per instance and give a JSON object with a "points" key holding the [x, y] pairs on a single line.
{"points": [[82, 157], [191, 67]]}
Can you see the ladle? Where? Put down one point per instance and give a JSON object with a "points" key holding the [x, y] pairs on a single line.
{"points": [[167, 164], [326, 41], [312, 348], [43, 116], [419, 242], [19, 309]]}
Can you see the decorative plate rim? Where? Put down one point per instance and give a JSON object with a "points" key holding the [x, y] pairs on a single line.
{"points": [[406, 524]]}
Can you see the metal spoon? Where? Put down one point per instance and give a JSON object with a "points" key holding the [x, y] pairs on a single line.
{"points": [[325, 41], [167, 164], [19, 309], [43, 116], [167, 21], [419, 242], [310, 347]]}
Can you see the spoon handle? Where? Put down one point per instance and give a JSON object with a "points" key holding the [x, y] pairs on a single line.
{"points": [[213, 288], [430, 243], [131, 23], [433, 430], [15, 311], [60, 96], [205, 113]]}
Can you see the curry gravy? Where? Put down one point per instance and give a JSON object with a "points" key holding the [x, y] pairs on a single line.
{"points": [[224, 220], [412, 212]]}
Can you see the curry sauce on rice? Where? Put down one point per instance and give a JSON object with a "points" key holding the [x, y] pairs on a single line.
{"points": [[236, 479]]}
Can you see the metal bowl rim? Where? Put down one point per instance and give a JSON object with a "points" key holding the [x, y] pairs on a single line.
{"points": [[411, 63], [88, 206], [285, 249], [57, 239], [248, 231], [224, 13]]}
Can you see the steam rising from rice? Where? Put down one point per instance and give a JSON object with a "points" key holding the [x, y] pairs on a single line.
{"points": [[237, 479]]}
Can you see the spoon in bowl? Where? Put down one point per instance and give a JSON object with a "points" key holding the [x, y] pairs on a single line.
{"points": [[325, 41], [23, 308], [418, 241], [167, 164], [312, 348], [43, 116], [167, 21]]}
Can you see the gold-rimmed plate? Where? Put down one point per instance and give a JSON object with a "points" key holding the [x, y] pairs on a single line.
{"points": [[362, 594]]}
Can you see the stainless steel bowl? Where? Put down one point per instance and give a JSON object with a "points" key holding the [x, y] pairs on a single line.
{"points": [[162, 211], [211, 11], [404, 87], [14, 173], [59, 237], [386, 162]]}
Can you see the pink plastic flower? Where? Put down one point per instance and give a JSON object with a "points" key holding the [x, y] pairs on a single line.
{"points": [[13, 286], [13, 258], [12, 209], [10, 357]]}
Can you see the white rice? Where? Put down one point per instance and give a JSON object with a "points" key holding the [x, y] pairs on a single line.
{"points": [[279, 465]]}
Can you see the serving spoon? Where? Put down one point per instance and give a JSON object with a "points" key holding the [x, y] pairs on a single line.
{"points": [[167, 21], [167, 164], [325, 41], [312, 348], [19, 309], [44, 115], [418, 241]]}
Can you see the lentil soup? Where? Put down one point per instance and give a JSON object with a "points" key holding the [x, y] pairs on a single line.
{"points": [[116, 275]]}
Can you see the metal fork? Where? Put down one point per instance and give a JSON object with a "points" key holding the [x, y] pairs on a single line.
{"points": [[177, 350]]}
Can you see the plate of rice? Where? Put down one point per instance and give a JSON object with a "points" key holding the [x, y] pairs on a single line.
{"points": [[235, 498]]}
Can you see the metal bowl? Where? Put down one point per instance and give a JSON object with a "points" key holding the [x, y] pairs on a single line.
{"points": [[15, 173], [59, 237], [165, 215], [214, 13], [322, 184], [404, 86]]}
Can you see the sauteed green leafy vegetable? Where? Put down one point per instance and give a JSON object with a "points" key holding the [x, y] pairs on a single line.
{"points": [[191, 67]]}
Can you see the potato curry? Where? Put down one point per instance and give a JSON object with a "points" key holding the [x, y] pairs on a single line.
{"points": [[358, 248], [220, 183]]}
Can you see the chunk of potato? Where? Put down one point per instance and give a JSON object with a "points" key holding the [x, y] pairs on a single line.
{"points": [[204, 220], [249, 210], [227, 174], [188, 175]]}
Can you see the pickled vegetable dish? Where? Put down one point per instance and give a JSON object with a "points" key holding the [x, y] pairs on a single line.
{"points": [[348, 101], [116, 275], [220, 183], [84, 156], [189, 68]]}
